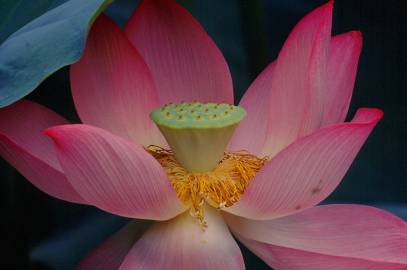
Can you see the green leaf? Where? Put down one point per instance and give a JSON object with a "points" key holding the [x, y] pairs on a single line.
{"points": [[45, 44], [16, 14]]}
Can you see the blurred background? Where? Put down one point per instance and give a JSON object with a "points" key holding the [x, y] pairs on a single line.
{"points": [[40, 232]]}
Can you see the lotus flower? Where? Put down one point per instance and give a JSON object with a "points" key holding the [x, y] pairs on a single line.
{"points": [[288, 154]]}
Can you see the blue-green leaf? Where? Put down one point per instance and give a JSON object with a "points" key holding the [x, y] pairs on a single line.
{"points": [[53, 40], [14, 14]]}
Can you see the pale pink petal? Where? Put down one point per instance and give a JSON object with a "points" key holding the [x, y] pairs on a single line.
{"points": [[281, 258], [252, 131], [112, 86], [25, 147], [307, 171], [342, 67], [182, 244], [111, 253], [298, 81], [328, 237], [185, 62], [114, 174]]}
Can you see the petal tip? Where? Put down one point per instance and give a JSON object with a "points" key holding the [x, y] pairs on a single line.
{"points": [[56, 132], [328, 7], [330, 3], [368, 116], [52, 132], [376, 113], [322, 13], [356, 36]]}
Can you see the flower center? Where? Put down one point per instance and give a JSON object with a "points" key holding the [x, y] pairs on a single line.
{"points": [[198, 133], [197, 165]]}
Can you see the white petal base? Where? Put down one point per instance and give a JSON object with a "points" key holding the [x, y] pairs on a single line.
{"points": [[182, 244]]}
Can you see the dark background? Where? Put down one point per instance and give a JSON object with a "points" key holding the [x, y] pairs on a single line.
{"points": [[36, 228]]}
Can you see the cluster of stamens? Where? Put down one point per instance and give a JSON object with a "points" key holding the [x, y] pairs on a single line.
{"points": [[221, 187]]}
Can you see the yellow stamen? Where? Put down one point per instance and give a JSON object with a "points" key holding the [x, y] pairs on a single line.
{"points": [[221, 187]]}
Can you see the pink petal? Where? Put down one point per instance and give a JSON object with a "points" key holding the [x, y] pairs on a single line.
{"points": [[114, 174], [185, 62], [342, 67], [252, 131], [281, 258], [298, 81], [307, 171], [111, 253], [25, 147], [328, 237], [112, 86], [182, 244]]}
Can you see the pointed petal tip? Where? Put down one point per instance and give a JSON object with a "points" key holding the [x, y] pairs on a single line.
{"points": [[368, 115], [324, 12], [330, 4], [50, 132], [376, 111], [55, 132], [355, 35], [328, 10], [327, 7]]}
